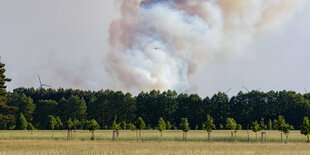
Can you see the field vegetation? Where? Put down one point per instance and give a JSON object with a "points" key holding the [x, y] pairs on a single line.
{"points": [[41, 142]]}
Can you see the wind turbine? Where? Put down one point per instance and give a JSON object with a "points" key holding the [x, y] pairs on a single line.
{"points": [[228, 90], [249, 90], [306, 91], [41, 84], [246, 89]]}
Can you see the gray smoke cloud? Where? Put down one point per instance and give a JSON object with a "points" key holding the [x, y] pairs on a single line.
{"points": [[159, 44]]}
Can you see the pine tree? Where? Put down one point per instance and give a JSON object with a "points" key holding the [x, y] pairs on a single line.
{"points": [[21, 123], [6, 112]]}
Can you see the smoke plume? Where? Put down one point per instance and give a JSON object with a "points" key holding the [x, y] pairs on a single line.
{"points": [[159, 44]]}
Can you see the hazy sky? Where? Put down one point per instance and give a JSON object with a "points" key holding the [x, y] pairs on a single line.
{"points": [[66, 43]]}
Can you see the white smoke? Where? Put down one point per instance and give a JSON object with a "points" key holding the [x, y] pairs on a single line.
{"points": [[158, 44]]}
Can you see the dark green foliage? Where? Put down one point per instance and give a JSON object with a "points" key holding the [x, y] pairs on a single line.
{"points": [[104, 105], [6, 112], [43, 109], [21, 122]]}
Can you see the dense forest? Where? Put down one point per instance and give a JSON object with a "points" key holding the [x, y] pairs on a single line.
{"points": [[29, 108], [36, 105]]}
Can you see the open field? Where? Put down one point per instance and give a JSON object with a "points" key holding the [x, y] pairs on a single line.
{"points": [[40, 142]]}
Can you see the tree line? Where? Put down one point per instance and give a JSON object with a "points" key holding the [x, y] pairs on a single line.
{"points": [[38, 106]]}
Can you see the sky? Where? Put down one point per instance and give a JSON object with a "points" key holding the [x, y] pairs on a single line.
{"points": [[66, 42]]}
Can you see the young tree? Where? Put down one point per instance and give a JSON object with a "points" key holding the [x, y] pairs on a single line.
{"points": [[286, 130], [131, 126], [184, 126], [221, 126], [140, 125], [30, 127], [76, 124], [6, 112], [161, 126], [69, 125], [52, 122], [239, 127], [255, 128], [59, 124], [123, 125], [21, 123], [305, 128], [168, 125], [92, 126], [208, 126], [283, 127], [232, 125], [115, 128]]}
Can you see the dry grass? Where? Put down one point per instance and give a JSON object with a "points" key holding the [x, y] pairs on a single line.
{"points": [[22, 142]]}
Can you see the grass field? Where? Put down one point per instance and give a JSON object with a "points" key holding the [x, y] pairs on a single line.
{"points": [[40, 142]]}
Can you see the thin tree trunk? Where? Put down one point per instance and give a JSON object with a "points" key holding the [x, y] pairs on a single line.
{"points": [[281, 137], [209, 136], [308, 138], [92, 135], [137, 135], [256, 136], [68, 135], [286, 138], [52, 134], [232, 136]]}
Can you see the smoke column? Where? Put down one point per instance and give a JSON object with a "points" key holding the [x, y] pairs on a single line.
{"points": [[159, 44]]}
